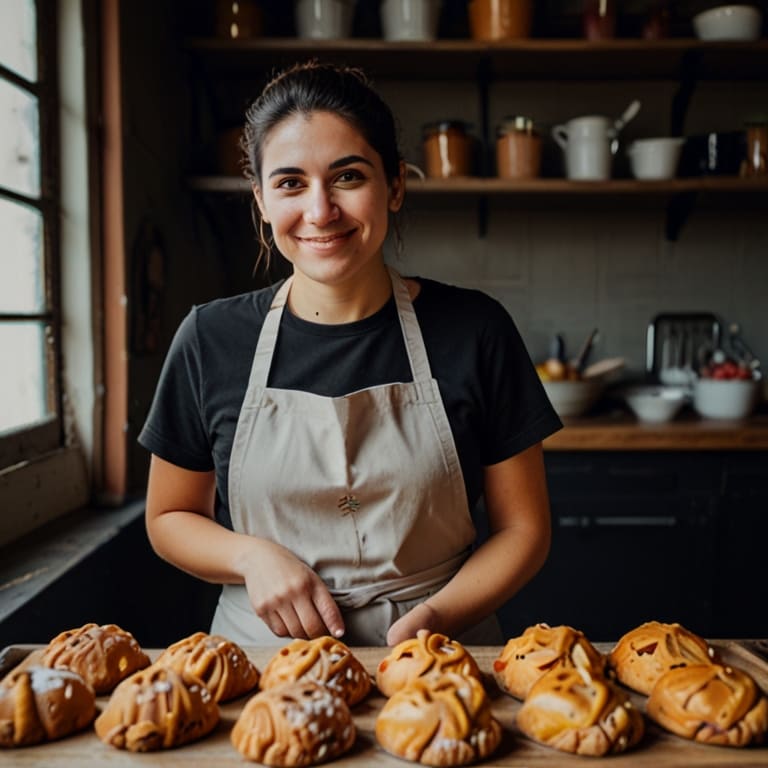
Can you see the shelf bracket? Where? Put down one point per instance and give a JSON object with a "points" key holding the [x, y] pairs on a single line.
{"points": [[679, 209], [689, 68]]}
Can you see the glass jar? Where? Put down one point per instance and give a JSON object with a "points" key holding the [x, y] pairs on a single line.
{"points": [[599, 19], [518, 149], [447, 149], [238, 19], [500, 19]]}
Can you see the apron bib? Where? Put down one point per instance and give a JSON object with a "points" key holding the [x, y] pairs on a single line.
{"points": [[366, 489]]}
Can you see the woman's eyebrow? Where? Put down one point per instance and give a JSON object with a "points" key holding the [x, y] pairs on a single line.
{"points": [[288, 171], [348, 160]]}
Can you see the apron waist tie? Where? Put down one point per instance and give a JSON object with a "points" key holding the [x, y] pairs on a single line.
{"points": [[398, 589]]}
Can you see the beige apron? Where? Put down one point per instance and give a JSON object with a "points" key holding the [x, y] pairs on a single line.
{"points": [[366, 489]]}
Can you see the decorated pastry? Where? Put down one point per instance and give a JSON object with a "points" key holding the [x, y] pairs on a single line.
{"points": [[325, 660], [101, 655], [39, 704], [424, 654], [710, 703], [645, 653], [221, 664], [295, 724], [524, 659], [442, 719], [157, 708], [574, 711]]}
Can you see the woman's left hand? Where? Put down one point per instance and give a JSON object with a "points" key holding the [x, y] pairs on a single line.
{"points": [[423, 616]]}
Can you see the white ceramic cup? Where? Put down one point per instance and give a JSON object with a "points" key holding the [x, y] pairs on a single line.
{"points": [[655, 158], [324, 19], [410, 19], [589, 144]]}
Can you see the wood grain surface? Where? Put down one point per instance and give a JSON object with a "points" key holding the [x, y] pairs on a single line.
{"points": [[658, 748]]}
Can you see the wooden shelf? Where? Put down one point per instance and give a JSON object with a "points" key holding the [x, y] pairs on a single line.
{"points": [[494, 186], [623, 433], [558, 59]]}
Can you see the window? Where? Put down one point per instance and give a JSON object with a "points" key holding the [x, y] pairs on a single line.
{"points": [[42, 471]]}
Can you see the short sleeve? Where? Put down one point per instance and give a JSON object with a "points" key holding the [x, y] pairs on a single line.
{"points": [[175, 429], [518, 413]]}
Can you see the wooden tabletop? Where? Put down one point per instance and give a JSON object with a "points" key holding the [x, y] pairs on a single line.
{"points": [[658, 749]]}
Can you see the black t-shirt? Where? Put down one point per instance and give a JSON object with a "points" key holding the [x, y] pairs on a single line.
{"points": [[495, 403]]}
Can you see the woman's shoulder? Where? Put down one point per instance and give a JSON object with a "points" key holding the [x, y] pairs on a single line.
{"points": [[458, 304]]}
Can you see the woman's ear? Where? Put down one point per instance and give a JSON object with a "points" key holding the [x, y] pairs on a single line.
{"points": [[397, 189], [260, 203]]}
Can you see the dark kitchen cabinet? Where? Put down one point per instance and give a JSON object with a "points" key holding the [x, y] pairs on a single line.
{"points": [[635, 538]]}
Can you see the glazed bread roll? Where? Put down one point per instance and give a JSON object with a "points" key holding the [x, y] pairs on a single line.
{"points": [[442, 719], [221, 664], [39, 704], [326, 660], [157, 708], [101, 655], [524, 659], [710, 703], [573, 711], [645, 653], [424, 654], [294, 724]]}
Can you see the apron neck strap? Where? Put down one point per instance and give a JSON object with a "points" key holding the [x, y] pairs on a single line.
{"points": [[414, 342]]}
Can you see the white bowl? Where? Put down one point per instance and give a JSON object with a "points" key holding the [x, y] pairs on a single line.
{"points": [[656, 404], [324, 19], [410, 19], [655, 158], [573, 398], [725, 398], [729, 22]]}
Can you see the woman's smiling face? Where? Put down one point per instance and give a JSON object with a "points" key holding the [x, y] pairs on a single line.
{"points": [[326, 196]]}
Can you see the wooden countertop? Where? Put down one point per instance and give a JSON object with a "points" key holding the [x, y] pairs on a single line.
{"points": [[658, 748], [610, 432]]}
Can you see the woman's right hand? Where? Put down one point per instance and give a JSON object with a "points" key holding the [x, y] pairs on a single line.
{"points": [[287, 595]]}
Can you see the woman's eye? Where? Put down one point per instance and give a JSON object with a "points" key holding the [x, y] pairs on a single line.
{"points": [[289, 183], [349, 176]]}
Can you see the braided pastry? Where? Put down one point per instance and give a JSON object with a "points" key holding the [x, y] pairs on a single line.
{"points": [[101, 655], [426, 653], [157, 708], [294, 724], [39, 704], [645, 653], [221, 664], [524, 659], [326, 660], [710, 703], [442, 719], [573, 711]]}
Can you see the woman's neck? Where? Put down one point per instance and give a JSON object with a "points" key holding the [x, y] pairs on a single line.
{"points": [[339, 303]]}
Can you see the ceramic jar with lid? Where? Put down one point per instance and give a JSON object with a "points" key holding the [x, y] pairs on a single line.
{"points": [[410, 19], [500, 19], [448, 149], [518, 149], [324, 19]]}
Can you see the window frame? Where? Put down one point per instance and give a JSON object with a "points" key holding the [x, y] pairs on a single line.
{"points": [[31, 440]]}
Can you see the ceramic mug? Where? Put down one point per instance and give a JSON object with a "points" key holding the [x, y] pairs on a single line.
{"points": [[410, 19], [589, 144], [324, 19]]}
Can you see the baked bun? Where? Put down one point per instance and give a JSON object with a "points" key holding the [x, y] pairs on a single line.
{"points": [[221, 664], [39, 704], [424, 654], [645, 653], [101, 655], [710, 703], [295, 724], [441, 719], [570, 710], [524, 659], [157, 708], [326, 660]]}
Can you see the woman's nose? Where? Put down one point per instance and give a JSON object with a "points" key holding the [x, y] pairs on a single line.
{"points": [[321, 209]]}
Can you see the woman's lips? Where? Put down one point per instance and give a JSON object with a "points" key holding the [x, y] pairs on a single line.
{"points": [[326, 241]]}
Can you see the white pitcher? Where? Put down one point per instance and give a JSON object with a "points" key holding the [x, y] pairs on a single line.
{"points": [[589, 144]]}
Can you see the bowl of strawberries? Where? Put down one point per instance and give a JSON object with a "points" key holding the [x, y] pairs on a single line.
{"points": [[726, 389]]}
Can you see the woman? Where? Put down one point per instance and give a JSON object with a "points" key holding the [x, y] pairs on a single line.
{"points": [[318, 445]]}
